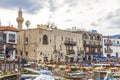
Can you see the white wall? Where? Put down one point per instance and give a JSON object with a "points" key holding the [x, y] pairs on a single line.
{"points": [[115, 47], [8, 37]]}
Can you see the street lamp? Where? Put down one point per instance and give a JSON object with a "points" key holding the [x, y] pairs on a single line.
{"points": [[19, 61]]}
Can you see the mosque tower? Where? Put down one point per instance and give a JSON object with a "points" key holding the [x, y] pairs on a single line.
{"points": [[20, 19]]}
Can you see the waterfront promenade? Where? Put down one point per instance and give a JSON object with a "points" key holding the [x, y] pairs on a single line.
{"points": [[9, 70], [9, 76]]}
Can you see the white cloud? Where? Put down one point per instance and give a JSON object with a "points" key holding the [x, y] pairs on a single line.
{"points": [[87, 14], [8, 17]]}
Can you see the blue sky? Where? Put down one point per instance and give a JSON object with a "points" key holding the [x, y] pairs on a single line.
{"points": [[101, 15]]}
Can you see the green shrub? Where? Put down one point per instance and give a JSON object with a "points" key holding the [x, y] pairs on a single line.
{"points": [[4, 72]]}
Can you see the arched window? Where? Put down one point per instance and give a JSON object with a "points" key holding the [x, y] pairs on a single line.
{"points": [[85, 36], [89, 57], [20, 52], [94, 37], [98, 38], [26, 53], [45, 39], [89, 36]]}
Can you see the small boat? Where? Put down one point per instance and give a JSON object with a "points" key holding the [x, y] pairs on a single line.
{"points": [[76, 73], [110, 74], [28, 76], [45, 71], [44, 77], [116, 75]]}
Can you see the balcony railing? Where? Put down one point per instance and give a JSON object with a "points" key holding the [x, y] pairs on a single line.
{"points": [[93, 45], [99, 46], [108, 43], [108, 51], [116, 44], [70, 52], [70, 43]]}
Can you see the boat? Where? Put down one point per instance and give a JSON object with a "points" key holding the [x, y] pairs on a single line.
{"points": [[109, 74], [101, 65], [45, 71], [116, 76], [42, 74], [28, 76], [37, 77], [75, 75], [44, 77]]}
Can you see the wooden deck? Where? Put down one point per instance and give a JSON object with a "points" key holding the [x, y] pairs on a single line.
{"points": [[8, 75]]}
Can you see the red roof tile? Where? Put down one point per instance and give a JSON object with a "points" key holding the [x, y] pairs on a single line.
{"points": [[8, 28]]}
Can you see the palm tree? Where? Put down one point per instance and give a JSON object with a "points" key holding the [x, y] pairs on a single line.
{"points": [[27, 23]]}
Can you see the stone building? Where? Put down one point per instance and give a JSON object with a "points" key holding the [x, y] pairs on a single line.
{"points": [[92, 44], [49, 44]]}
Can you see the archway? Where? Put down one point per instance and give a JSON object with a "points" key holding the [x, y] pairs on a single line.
{"points": [[45, 39]]}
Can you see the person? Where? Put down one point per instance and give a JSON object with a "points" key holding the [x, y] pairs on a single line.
{"points": [[36, 65]]}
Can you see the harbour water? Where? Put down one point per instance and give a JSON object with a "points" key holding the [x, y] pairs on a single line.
{"points": [[95, 71]]}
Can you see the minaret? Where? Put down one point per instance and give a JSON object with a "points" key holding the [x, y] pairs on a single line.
{"points": [[20, 19]]}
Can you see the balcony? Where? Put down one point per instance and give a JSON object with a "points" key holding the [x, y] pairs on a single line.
{"points": [[87, 44], [108, 43], [70, 52], [93, 45], [116, 44], [99, 46], [108, 51], [70, 43]]}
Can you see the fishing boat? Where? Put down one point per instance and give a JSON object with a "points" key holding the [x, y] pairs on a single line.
{"points": [[109, 74], [44, 77], [76, 75], [116, 76]]}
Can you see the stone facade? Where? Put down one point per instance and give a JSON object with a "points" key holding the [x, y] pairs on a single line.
{"points": [[49, 44], [20, 19], [92, 44]]}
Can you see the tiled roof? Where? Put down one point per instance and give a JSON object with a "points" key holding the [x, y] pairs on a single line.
{"points": [[8, 28]]}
